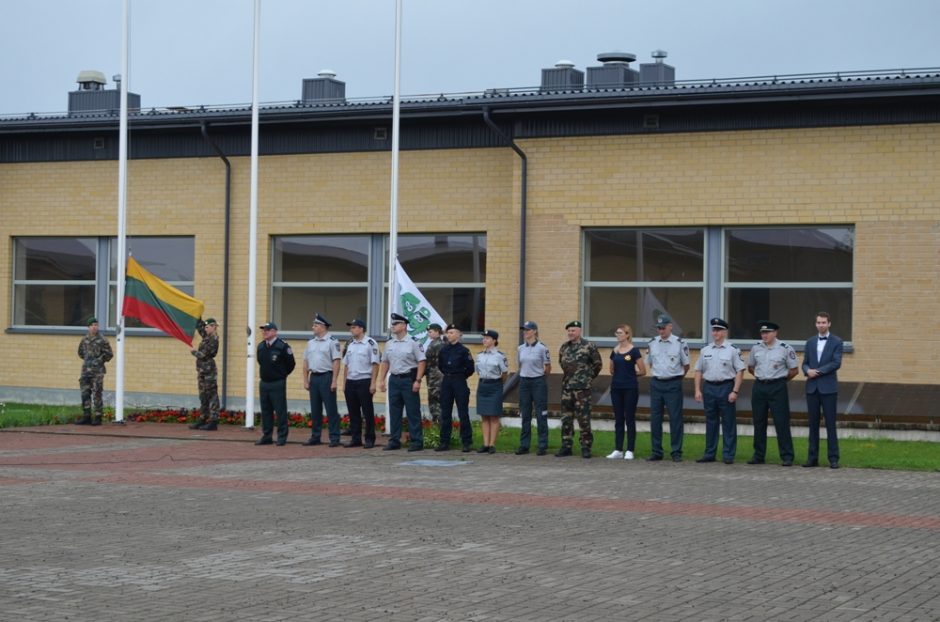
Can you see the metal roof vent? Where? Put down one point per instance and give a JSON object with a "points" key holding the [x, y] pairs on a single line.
{"points": [[562, 77], [90, 80], [325, 88], [658, 73], [92, 98], [614, 73]]}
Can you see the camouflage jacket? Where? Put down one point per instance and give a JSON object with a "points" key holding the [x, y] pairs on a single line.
{"points": [[431, 354], [205, 353], [94, 351], [580, 364]]}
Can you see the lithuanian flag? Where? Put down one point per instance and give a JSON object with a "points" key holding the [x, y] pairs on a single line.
{"points": [[160, 305]]}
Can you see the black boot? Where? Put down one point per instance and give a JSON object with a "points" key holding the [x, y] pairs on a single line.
{"points": [[212, 426], [96, 420], [85, 420]]}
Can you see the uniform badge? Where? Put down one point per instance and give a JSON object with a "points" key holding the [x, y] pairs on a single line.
{"points": [[627, 357]]}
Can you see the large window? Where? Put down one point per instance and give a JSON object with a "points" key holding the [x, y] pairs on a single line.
{"points": [[345, 276], [60, 282], [744, 274], [786, 275], [54, 281], [633, 275]]}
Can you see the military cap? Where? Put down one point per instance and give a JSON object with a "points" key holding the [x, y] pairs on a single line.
{"points": [[767, 326], [319, 319], [662, 319], [530, 325], [573, 324], [397, 317], [452, 326], [268, 326], [356, 322], [91, 320], [717, 322], [491, 333], [211, 320], [435, 326]]}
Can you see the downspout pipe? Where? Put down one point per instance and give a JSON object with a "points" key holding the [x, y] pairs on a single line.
{"points": [[225, 278], [523, 209]]}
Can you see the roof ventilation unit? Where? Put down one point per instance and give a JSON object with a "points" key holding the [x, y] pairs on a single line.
{"points": [[657, 73], [562, 77], [614, 73], [324, 89]]}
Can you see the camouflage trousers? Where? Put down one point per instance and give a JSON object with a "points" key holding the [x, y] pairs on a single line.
{"points": [[208, 398], [434, 396], [576, 403], [91, 384]]}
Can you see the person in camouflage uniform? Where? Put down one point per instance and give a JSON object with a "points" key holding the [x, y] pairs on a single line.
{"points": [[434, 375], [207, 376], [580, 364], [95, 351]]}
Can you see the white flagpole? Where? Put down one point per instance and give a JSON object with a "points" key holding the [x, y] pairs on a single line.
{"points": [[253, 229], [393, 211], [122, 221]]}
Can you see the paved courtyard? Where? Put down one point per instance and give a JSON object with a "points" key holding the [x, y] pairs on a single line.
{"points": [[155, 522]]}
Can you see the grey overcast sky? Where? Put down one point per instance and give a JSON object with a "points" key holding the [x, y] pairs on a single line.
{"points": [[190, 52]]}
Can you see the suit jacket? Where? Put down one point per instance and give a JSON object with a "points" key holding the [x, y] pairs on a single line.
{"points": [[828, 364]]}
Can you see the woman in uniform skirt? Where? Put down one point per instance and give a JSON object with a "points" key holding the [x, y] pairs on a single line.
{"points": [[492, 367]]}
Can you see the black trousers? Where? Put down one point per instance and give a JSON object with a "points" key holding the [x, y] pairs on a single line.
{"points": [[273, 399], [826, 402], [454, 389], [361, 409], [772, 397]]}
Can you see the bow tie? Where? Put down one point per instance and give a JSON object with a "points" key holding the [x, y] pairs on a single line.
{"points": [[823, 338]]}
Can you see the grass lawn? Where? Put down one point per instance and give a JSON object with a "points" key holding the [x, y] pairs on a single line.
{"points": [[856, 453]]}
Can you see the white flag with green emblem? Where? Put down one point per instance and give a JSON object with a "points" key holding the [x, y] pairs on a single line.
{"points": [[410, 302]]}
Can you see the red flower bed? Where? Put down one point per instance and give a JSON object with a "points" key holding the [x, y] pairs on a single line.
{"points": [[231, 417]]}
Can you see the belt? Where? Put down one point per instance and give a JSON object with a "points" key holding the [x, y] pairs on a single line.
{"points": [[720, 381], [489, 380], [455, 375], [670, 378], [771, 381], [320, 373], [404, 375]]}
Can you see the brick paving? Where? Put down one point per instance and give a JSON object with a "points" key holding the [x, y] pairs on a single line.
{"points": [[150, 522]]}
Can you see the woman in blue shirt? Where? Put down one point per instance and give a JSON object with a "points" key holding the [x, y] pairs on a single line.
{"points": [[626, 365]]}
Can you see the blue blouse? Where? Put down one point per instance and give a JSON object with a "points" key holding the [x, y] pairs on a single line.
{"points": [[625, 369]]}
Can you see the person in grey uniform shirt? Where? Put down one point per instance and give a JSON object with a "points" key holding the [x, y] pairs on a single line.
{"points": [[668, 361], [773, 363], [535, 364], [721, 368], [360, 370], [404, 360], [321, 373]]}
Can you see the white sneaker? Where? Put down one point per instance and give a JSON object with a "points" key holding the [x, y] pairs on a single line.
{"points": [[615, 455], [628, 455]]}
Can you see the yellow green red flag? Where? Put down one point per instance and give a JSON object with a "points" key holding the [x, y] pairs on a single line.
{"points": [[158, 304]]}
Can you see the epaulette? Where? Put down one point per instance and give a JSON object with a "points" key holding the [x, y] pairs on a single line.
{"points": [[370, 340]]}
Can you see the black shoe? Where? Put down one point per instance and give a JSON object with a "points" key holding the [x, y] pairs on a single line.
{"points": [[210, 427], [196, 426], [96, 421], [756, 461], [353, 444], [264, 441], [415, 447], [704, 459], [654, 458], [466, 449], [833, 465], [585, 453], [334, 444], [442, 447], [368, 445], [729, 460], [522, 451], [541, 451], [85, 420], [492, 449], [483, 450], [810, 463], [311, 442], [786, 463], [281, 443], [391, 447], [677, 458], [563, 452]]}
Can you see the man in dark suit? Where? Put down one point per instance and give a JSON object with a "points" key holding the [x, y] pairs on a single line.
{"points": [[822, 358]]}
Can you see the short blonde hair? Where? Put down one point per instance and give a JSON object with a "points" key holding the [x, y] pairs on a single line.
{"points": [[625, 328]]}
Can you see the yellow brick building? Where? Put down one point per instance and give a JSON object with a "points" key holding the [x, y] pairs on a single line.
{"points": [[779, 200]]}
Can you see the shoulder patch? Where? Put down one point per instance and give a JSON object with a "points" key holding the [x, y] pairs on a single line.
{"points": [[371, 341]]}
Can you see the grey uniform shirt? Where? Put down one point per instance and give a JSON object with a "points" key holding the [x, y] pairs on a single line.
{"points": [[719, 363], [361, 355], [402, 355], [771, 362], [533, 359], [491, 364], [320, 354], [667, 358]]}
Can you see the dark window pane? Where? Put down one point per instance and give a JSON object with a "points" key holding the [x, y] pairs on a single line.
{"points": [[55, 259], [53, 305], [294, 307], [793, 309], [606, 307], [822, 254], [311, 259], [645, 255], [167, 258], [443, 258]]}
